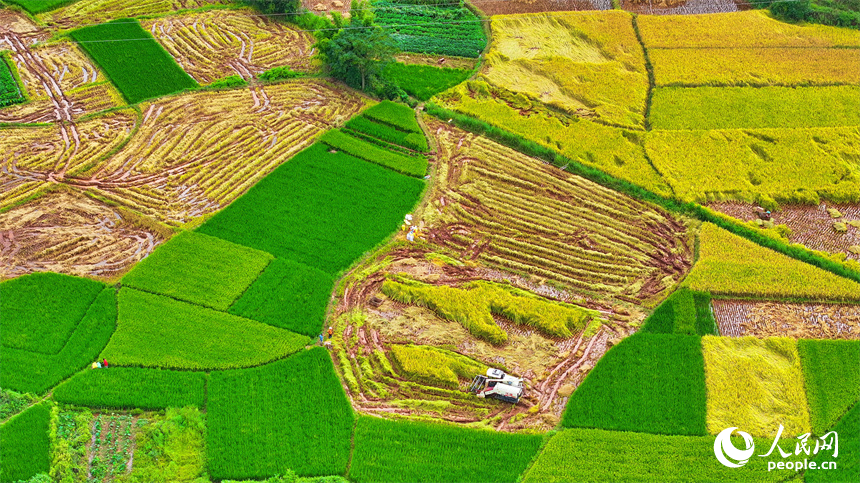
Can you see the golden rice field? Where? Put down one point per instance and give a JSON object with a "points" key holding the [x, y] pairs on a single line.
{"points": [[753, 28], [755, 384], [69, 68], [588, 64], [731, 265], [220, 43], [741, 164], [97, 11], [755, 66]]}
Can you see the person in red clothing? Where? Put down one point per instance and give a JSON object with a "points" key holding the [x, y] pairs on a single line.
{"points": [[104, 363]]}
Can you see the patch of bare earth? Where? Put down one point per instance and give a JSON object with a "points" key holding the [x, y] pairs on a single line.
{"points": [[738, 318], [683, 7]]}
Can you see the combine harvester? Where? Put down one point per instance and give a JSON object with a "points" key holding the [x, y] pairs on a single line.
{"points": [[497, 384]]}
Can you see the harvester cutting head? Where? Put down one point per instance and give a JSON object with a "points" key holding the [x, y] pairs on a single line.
{"points": [[497, 384]]}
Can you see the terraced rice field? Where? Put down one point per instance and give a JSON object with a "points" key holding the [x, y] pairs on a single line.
{"points": [[739, 318], [77, 14]]}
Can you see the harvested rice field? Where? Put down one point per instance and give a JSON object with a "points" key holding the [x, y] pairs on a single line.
{"points": [[738, 318]]}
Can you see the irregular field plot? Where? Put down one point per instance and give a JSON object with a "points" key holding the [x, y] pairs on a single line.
{"points": [[200, 269], [10, 92], [138, 66], [448, 29], [196, 153], [755, 66], [156, 331], [494, 7], [25, 371], [39, 6], [219, 43], [402, 451], [756, 385], [588, 64], [423, 81], [98, 11], [731, 265], [706, 165], [743, 29], [651, 383], [68, 66], [520, 210], [321, 209], [291, 414], [289, 295], [754, 107], [410, 165], [133, 387], [848, 430], [832, 372], [25, 449], [687, 7], [579, 455], [41, 311], [777, 319]]}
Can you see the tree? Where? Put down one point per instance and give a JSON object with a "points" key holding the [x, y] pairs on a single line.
{"points": [[359, 51], [795, 10], [276, 6]]}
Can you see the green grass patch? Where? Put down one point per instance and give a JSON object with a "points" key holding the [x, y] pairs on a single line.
{"points": [[25, 371], [585, 455], [40, 6], [848, 462], [684, 312], [653, 383], [411, 165], [200, 269], [321, 209], [171, 447], [41, 310], [133, 60], [755, 385], [402, 451], [156, 331], [396, 115], [288, 415], [288, 295], [133, 387], [25, 449], [424, 81], [831, 369], [753, 107], [388, 134], [10, 90]]}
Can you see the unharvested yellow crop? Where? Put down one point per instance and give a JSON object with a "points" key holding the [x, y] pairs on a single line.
{"points": [[755, 385], [731, 265], [753, 28], [435, 366], [590, 64]]}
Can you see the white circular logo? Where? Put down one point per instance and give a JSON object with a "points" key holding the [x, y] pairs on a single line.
{"points": [[723, 447]]}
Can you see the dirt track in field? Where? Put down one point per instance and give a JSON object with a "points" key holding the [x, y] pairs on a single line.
{"points": [[72, 234], [737, 318]]}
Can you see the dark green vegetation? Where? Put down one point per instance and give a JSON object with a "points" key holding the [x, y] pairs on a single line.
{"points": [[579, 455], [395, 115], [132, 387], [411, 165], [70, 434], [156, 331], [839, 13], [12, 402], [25, 371], [10, 91], [39, 6], [432, 29], [291, 414], [401, 451], [424, 81], [138, 66], [24, 444], [170, 448], [288, 295], [832, 372], [228, 83], [684, 312], [848, 466], [652, 383], [321, 209], [278, 73], [41, 310], [386, 134], [200, 269]]}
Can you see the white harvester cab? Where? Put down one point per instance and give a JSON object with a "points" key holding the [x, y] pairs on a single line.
{"points": [[497, 384]]}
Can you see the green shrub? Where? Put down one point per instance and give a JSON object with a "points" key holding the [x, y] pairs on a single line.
{"points": [[831, 369], [384, 132], [289, 415], [403, 451], [200, 269], [411, 165], [133, 387], [171, 448], [24, 371], [278, 73], [228, 82], [70, 435], [288, 295], [40, 310], [25, 449], [424, 81], [156, 331], [652, 383], [138, 66], [12, 403], [321, 209]]}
